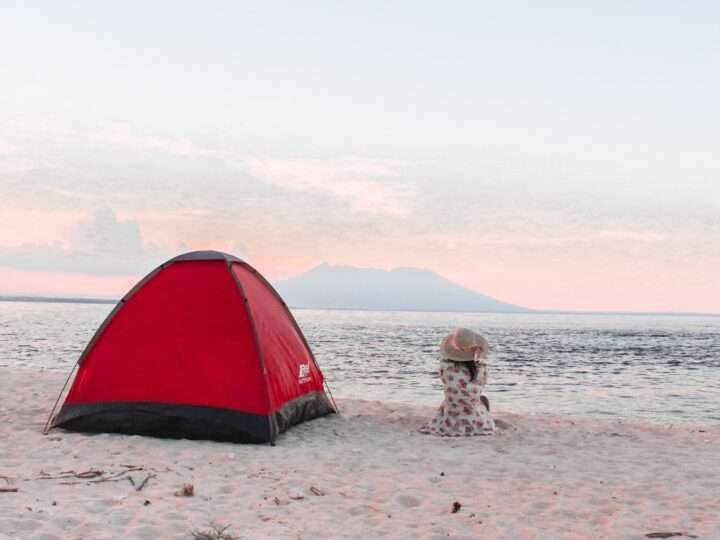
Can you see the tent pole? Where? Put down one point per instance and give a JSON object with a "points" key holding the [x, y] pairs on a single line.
{"points": [[260, 352], [46, 429]]}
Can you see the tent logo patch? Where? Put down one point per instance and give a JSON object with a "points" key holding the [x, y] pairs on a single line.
{"points": [[304, 373]]}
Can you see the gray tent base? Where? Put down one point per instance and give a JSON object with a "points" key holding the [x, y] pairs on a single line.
{"points": [[190, 421]]}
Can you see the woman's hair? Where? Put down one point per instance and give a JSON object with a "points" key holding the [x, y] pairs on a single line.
{"points": [[472, 367]]}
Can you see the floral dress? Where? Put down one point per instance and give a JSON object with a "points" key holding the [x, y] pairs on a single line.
{"points": [[465, 410]]}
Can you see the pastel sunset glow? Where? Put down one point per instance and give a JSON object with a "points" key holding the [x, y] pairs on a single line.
{"points": [[549, 155]]}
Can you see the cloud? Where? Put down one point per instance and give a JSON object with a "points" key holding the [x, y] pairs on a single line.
{"points": [[114, 134], [359, 182], [100, 245], [103, 245], [7, 148], [363, 187], [362, 183], [73, 194], [12, 162], [15, 166], [123, 135], [104, 233]]}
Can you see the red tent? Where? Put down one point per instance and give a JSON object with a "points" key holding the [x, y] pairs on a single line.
{"points": [[202, 348]]}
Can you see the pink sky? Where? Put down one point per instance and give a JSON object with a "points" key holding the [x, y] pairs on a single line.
{"points": [[580, 288], [59, 284], [595, 281]]}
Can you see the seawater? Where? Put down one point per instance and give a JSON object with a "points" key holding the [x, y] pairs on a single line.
{"points": [[649, 368]]}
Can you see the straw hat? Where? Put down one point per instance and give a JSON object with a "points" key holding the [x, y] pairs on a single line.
{"points": [[464, 345]]}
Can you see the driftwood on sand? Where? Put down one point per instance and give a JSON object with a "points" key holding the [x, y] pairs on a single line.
{"points": [[94, 476]]}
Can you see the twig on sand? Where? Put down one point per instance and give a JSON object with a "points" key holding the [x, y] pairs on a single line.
{"points": [[92, 473], [118, 476], [93, 476], [89, 474], [129, 469], [668, 534], [316, 491], [142, 484], [8, 490], [100, 480]]}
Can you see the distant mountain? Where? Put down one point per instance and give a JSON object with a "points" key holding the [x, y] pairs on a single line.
{"points": [[402, 289]]}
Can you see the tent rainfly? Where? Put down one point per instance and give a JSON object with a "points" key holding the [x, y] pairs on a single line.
{"points": [[202, 348]]}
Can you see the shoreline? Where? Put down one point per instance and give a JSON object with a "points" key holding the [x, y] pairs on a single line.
{"points": [[576, 416], [366, 473]]}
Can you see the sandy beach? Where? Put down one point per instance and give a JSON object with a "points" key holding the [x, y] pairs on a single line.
{"points": [[364, 474]]}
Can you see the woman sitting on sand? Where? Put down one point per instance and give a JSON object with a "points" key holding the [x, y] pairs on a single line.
{"points": [[463, 372]]}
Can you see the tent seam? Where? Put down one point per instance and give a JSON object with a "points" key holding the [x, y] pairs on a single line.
{"points": [[261, 354]]}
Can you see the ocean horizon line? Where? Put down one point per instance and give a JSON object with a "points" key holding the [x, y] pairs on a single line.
{"points": [[526, 311]]}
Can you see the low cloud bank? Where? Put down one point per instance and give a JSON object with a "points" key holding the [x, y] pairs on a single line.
{"points": [[100, 245]]}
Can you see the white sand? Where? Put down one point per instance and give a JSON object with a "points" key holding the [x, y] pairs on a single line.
{"points": [[373, 475]]}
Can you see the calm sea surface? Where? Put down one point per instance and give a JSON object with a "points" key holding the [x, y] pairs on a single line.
{"points": [[660, 369]]}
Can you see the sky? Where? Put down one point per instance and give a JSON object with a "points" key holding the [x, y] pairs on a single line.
{"points": [[555, 155]]}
